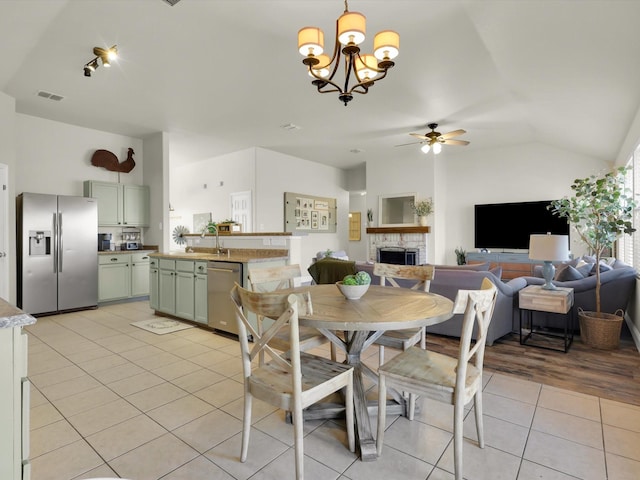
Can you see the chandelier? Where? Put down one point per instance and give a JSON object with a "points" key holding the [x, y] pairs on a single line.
{"points": [[365, 69]]}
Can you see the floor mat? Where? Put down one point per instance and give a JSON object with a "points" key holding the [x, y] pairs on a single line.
{"points": [[161, 326]]}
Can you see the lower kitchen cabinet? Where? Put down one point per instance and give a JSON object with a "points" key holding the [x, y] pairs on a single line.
{"points": [[181, 288], [123, 276], [154, 283]]}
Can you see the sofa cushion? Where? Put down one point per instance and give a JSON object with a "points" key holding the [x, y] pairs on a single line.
{"points": [[569, 273], [497, 271], [603, 268]]}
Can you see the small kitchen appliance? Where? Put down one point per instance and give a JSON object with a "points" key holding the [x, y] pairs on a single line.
{"points": [[104, 242]]}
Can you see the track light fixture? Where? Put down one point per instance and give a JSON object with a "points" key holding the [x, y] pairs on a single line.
{"points": [[105, 56]]}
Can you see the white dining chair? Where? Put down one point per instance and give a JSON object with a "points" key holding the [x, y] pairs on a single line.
{"points": [[415, 277], [440, 377], [269, 279], [292, 380]]}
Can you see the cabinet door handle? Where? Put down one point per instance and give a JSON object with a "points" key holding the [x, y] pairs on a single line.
{"points": [[114, 259], [145, 258]]}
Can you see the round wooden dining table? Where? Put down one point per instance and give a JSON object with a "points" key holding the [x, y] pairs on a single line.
{"points": [[363, 321]]}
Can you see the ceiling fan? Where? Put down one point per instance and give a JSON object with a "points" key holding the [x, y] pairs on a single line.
{"points": [[436, 139]]}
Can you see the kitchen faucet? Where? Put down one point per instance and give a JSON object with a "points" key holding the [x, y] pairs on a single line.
{"points": [[215, 227]]}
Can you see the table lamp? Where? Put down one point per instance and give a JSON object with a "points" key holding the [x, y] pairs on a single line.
{"points": [[549, 248]]}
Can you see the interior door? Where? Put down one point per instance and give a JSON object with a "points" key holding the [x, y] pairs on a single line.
{"points": [[241, 210], [4, 229]]}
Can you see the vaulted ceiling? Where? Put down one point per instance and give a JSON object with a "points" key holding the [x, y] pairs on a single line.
{"points": [[220, 76]]}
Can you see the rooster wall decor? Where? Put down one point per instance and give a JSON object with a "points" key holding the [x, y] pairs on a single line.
{"points": [[106, 159]]}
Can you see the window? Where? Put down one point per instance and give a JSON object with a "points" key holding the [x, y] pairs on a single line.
{"points": [[629, 245]]}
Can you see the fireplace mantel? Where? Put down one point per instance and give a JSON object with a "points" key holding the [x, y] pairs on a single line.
{"points": [[412, 229]]}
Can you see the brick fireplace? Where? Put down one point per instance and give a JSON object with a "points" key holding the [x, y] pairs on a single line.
{"points": [[409, 239]]}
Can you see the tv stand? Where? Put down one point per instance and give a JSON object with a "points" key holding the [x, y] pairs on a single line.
{"points": [[513, 264]]}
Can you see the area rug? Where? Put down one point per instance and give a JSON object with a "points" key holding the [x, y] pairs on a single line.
{"points": [[161, 326]]}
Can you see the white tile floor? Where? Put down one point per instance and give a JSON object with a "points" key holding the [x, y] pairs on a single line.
{"points": [[109, 399]]}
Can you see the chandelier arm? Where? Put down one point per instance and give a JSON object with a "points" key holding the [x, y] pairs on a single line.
{"points": [[365, 85]]}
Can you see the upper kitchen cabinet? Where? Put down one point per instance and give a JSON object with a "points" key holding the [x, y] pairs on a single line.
{"points": [[119, 204]]}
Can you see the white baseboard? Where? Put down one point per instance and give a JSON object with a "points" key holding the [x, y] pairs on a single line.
{"points": [[635, 333]]}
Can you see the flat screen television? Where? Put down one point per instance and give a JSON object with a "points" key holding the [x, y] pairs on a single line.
{"points": [[508, 225]]}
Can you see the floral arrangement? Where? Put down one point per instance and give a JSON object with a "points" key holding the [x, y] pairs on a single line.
{"points": [[422, 208]]}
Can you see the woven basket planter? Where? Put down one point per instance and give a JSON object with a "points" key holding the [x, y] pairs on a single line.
{"points": [[601, 330]]}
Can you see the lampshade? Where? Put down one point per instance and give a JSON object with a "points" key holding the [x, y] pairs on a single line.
{"points": [[310, 41], [351, 28], [437, 148], [548, 247], [386, 45], [322, 68], [366, 66], [425, 148]]}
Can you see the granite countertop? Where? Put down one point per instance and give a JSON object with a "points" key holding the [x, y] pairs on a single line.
{"points": [[120, 252], [237, 255], [11, 316]]}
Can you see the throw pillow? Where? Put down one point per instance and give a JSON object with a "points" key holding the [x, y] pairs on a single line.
{"points": [[603, 268], [584, 268], [569, 273]]}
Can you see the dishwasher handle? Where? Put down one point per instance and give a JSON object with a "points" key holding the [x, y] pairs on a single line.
{"points": [[218, 269]]}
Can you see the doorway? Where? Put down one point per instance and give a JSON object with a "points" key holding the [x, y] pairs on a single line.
{"points": [[241, 210]]}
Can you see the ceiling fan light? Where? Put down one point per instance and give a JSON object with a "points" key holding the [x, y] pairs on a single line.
{"points": [[366, 66], [310, 41], [322, 68], [351, 28], [112, 53], [106, 62], [425, 148], [437, 148], [386, 45]]}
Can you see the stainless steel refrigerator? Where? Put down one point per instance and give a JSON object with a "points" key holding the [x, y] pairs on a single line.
{"points": [[57, 245]]}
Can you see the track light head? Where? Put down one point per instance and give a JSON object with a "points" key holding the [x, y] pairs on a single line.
{"points": [[105, 55]]}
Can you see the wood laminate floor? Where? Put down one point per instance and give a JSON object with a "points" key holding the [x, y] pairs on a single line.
{"points": [[613, 374]]}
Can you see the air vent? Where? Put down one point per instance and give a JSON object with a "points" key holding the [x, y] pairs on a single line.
{"points": [[50, 96], [172, 2]]}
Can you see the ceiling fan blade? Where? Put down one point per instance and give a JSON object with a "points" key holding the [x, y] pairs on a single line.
{"points": [[455, 133], [405, 144], [456, 142], [417, 135]]}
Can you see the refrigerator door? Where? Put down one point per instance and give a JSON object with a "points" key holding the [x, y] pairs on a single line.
{"points": [[77, 261], [37, 277]]}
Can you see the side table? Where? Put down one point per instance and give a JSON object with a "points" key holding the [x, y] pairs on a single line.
{"points": [[558, 302]]}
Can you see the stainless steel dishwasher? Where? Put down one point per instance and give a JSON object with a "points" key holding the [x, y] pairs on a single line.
{"points": [[220, 279]]}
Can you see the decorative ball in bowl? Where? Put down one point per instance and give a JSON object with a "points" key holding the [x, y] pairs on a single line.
{"points": [[352, 292], [354, 286]]}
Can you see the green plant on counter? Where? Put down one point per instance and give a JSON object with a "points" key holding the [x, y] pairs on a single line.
{"points": [[360, 278], [211, 227], [461, 256]]}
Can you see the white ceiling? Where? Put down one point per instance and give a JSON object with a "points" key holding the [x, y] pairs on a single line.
{"points": [[221, 76]]}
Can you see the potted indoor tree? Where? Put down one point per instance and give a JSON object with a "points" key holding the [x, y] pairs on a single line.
{"points": [[601, 211], [422, 209]]}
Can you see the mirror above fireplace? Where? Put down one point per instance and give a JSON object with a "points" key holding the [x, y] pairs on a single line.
{"points": [[394, 210]]}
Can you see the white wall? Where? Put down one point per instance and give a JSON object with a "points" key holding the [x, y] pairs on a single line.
{"points": [[8, 157], [55, 157], [527, 172], [276, 174]]}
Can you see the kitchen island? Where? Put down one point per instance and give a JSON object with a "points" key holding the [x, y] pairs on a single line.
{"points": [[195, 285]]}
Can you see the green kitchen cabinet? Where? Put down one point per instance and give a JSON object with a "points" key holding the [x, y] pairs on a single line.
{"points": [[200, 293], [114, 277], [167, 286], [139, 274], [120, 204], [153, 284]]}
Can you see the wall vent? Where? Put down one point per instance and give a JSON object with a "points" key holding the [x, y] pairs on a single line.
{"points": [[172, 2], [50, 96]]}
